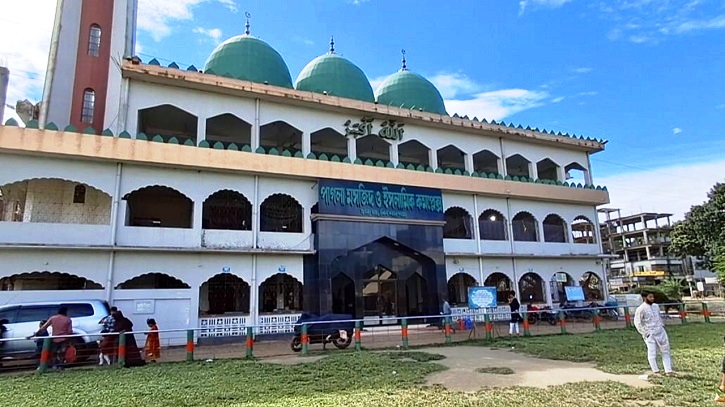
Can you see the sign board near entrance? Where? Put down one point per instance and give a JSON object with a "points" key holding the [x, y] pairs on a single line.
{"points": [[482, 297], [379, 200]]}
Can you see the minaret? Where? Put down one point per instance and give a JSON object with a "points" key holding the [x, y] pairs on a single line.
{"points": [[83, 80]]}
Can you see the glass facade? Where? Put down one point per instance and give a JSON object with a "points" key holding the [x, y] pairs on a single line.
{"points": [[373, 269]]}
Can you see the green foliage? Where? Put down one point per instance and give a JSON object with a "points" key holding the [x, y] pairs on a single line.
{"points": [[672, 288], [495, 370], [702, 232], [663, 294]]}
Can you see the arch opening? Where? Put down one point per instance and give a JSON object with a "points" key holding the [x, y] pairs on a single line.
{"points": [[559, 281], [51, 200], [547, 169], [582, 230], [525, 227], [531, 288], [458, 286], [281, 213], [227, 129], [503, 284], [458, 223], [451, 158], [47, 281], [168, 121], [224, 294], [492, 225], [280, 136], [518, 166], [372, 148], [593, 286], [414, 153], [576, 173], [280, 293], [554, 229], [159, 206], [485, 161], [329, 142], [227, 210], [149, 281]]}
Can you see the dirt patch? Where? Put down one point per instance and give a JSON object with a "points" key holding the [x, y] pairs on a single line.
{"points": [[463, 362], [293, 360]]}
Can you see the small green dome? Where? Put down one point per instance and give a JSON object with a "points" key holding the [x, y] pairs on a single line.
{"points": [[337, 76], [410, 91], [251, 59]]}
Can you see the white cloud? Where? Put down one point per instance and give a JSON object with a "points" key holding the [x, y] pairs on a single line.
{"points": [[497, 105], [451, 85], [698, 25], [676, 130], [377, 81], [25, 30], [589, 93], [558, 99], [155, 16], [671, 189], [231, 5], [213, 33], [720, 106], [583, 69], [523, 4]]}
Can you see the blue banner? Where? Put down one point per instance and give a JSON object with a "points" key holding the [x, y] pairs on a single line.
{"points": [[482, 297], [574, 293], [379, 200]]}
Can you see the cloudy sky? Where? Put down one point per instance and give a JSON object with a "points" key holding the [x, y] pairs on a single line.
{"points": [[645, 74]]}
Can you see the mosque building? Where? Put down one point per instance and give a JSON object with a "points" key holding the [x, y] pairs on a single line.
{"points": [[230, 195]]}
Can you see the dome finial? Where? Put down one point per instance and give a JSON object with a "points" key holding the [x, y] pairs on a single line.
{"points": [[332, 45], [405, 66], [246, 26]]}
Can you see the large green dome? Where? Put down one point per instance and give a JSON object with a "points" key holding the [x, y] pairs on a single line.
{"points": [[410, 91], [336, 76], [251, 59]]}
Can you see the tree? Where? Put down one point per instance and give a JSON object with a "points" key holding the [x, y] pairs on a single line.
{"points": [[702, 232]]}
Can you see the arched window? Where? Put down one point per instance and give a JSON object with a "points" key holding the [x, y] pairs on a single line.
{"points": [[524, 227], [79, 194], [458, 286], [458, 224], [504, 286], [554, 229], [592, 286], [227, 210], [531, 288], [492, 225], [94, 40], [583, 230], [281, 213], [89, 106]]}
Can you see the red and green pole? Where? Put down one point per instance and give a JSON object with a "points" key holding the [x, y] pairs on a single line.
{"points": [[597, 321], [250, 342], [305, 340], [627, 317], [122, 349], [525, 316], [488, 327], [358, 335], [683, 314], [45, 355], [705, 312], [447, 329], [190, 345], [562, 322], [404, 332]]}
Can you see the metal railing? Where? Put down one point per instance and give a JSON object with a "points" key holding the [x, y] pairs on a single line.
{"points": [[409, 330]]}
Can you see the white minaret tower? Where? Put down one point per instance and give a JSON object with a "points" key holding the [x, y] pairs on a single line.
{"points": [[83, 82]]}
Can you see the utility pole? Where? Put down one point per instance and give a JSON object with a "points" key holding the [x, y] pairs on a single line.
{"points": [[4, 79]]}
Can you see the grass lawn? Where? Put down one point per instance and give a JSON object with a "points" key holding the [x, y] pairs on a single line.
{"points": [[385, 379]]}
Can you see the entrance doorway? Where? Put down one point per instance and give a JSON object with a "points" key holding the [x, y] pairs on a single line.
{"points": [[343, 295], [380, 292]]}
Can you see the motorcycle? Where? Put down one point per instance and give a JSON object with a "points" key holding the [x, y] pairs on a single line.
{"points": [[536, 315], [330, 328]]}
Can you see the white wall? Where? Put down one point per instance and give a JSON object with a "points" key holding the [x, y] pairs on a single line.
{"points": [[171, 309], [65, 66]]}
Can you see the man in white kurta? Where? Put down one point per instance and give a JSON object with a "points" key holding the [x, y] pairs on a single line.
{"points": [[649, 324]]}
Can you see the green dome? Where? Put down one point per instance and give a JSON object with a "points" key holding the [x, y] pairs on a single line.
{"points": [[410, 91], [337, 76], [251, 59]]}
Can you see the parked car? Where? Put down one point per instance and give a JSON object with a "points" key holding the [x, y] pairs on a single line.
{"points": [[24, 319]]}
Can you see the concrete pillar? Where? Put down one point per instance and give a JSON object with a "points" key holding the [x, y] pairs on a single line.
{"points": [[394, 153], [306, 143], [468, 162], [4, 79], [501, 164], [433, 158], [532, 171], [351, 149], [560, 174]]}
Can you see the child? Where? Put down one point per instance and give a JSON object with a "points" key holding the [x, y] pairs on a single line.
{"points": [[153, 346]]}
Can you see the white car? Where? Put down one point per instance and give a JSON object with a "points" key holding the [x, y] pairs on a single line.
{"points": [[23, 320]]}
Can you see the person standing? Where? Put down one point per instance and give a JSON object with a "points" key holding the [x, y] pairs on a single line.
{"points": [[153, 344], [61, 325], [515, 314], [649, 324]]}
